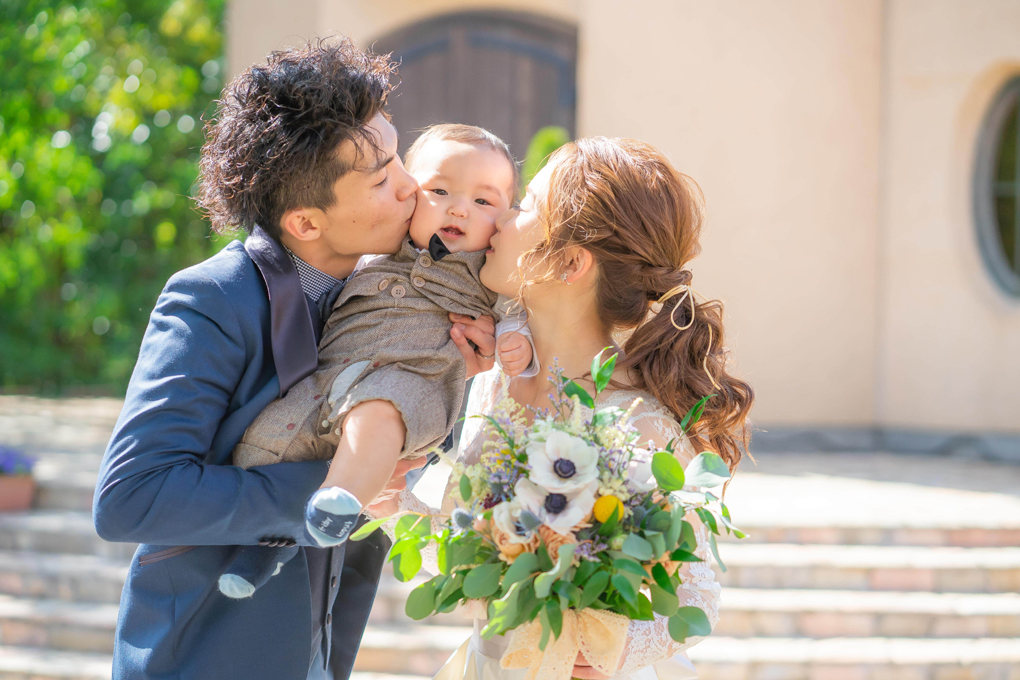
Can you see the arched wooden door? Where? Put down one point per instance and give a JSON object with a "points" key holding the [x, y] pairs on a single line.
{"points": [[509, 73]]}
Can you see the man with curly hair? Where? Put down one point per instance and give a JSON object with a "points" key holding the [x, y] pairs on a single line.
{"points": [[301, 156]]}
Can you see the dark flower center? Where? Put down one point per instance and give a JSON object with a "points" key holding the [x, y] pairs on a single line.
{"points": [[564, 468], [555, 503]]}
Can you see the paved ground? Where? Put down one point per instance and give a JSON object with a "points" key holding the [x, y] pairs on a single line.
{"points": [[859, 566]]}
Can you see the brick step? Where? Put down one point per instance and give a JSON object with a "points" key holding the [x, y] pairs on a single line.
{"points": [[56, 624], [857, 567], [72, 578], [57, 531], [721, 658], [24, 663], [422, 650], [961, 536], [748, 612]]}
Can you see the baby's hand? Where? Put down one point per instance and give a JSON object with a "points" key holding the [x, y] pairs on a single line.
{"points": [[514, 353]]}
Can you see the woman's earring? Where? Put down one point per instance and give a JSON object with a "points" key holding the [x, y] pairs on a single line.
{"points": [[563, 278]]}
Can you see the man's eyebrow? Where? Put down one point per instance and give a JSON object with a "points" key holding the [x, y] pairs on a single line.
{"points": [[381, 164]]}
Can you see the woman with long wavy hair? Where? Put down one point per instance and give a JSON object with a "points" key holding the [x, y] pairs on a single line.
{"points": [[598, 255]]}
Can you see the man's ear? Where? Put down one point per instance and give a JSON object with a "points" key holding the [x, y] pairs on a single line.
{"points": [[579, 262], [302, 224]]}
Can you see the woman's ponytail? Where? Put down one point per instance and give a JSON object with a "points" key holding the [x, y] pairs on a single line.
{"points": [[641, 219]]}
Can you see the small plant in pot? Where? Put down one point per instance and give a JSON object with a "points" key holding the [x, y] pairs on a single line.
{"points": [[17, 487]]}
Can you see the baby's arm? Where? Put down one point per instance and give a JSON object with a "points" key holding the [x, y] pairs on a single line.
{"points": [[515, 349]]}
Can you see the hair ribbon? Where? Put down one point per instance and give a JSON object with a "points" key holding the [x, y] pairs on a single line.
{"points": [[687, 293]]}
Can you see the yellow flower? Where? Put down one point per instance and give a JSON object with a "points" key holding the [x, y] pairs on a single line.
{"points": [[604, 507]]}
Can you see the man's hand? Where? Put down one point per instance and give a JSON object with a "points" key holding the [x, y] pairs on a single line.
{"points": [[514, 353], [385, 504], [480, 331]]}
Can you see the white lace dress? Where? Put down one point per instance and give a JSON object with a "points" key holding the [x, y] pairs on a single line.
{"points": [[650, 653]]}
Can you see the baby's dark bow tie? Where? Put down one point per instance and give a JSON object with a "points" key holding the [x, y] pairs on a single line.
{"points": [[437, 249]]}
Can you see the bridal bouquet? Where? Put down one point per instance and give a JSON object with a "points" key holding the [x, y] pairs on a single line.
{"points": [[566, 529]]}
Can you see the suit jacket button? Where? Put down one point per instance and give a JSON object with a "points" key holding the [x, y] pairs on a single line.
{"points": [[418, 281], [398, 291], [329, 618], [425, 261], [332, 582]]}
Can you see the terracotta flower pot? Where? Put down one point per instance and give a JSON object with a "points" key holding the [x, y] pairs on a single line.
{"points": [[16, 492]]}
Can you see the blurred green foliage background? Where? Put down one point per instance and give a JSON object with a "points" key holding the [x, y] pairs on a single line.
{"points": [[100, 130]]}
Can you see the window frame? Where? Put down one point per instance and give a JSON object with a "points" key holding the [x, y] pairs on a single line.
{"points": [[985, 214]]}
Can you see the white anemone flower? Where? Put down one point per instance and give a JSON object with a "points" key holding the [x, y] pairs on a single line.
{"points": [[558, 511], [562, 463], [507, 516]]}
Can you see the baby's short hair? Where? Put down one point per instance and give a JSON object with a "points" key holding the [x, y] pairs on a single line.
{"points": [[466, 134]]}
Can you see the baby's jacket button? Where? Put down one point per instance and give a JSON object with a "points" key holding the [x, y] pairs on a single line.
{"points": [[398, 291], [418, 281], [383, 284], [425, 261]]}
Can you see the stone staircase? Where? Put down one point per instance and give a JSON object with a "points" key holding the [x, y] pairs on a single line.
{"points": [[869, 568]]}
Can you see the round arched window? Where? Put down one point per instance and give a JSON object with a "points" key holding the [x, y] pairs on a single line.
{"points": [[997, 189]]}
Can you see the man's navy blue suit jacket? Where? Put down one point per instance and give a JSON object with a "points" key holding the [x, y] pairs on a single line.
{"points": [[226, 337]]}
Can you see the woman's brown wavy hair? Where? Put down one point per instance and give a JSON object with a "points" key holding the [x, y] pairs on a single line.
{"points": [[640, 218]]}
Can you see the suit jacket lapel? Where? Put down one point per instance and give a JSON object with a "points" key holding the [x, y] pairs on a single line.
{"points": [[295, 351]]}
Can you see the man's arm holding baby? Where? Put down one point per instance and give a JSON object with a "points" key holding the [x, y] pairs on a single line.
{"points": [[158, 483]]}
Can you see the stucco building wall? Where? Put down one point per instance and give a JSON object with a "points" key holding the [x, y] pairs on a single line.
{"points": [[834, 142]]}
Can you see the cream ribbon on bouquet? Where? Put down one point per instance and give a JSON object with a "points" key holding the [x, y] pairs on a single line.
{"points": [[599, 636]]}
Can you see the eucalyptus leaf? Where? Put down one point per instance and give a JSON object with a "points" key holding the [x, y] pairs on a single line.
{"points": [[555, 616], [708, 518], [707, 470], [607, 416], [658, 543], [644, 607], [668, 472], [545, 580], [637, 547], [566, 589], [680, 555], [572, 389], [407, 564], [661, 576], [421, 601], [609, 526], [715, 551], [483, 580], [502, 612], [465, 488], [694, 415], [584, 570], [412, 523], [625, 588], [664, 602], [546, 629], [595, 586], [602, 373], [676, 519], [697, 622], [630, 566], [687, 540], [524, 566], [367, 529]]}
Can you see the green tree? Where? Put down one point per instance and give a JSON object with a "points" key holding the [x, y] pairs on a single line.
{"points": [[541, 146], [100, 130]]}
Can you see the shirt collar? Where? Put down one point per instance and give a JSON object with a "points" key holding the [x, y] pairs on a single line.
{"points": [[314, 283]]}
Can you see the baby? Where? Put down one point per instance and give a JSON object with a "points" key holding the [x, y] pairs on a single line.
{"points": [[390, 381]]}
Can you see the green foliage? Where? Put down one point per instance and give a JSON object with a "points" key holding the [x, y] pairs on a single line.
{"points": [[541, 146], [100, 129]]}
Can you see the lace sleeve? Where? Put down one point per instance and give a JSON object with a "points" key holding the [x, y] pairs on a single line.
{"points": [[485, 391], [649, 642]]}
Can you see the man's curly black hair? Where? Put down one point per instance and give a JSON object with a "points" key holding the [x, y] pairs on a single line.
{"points": [[273, 143]]}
